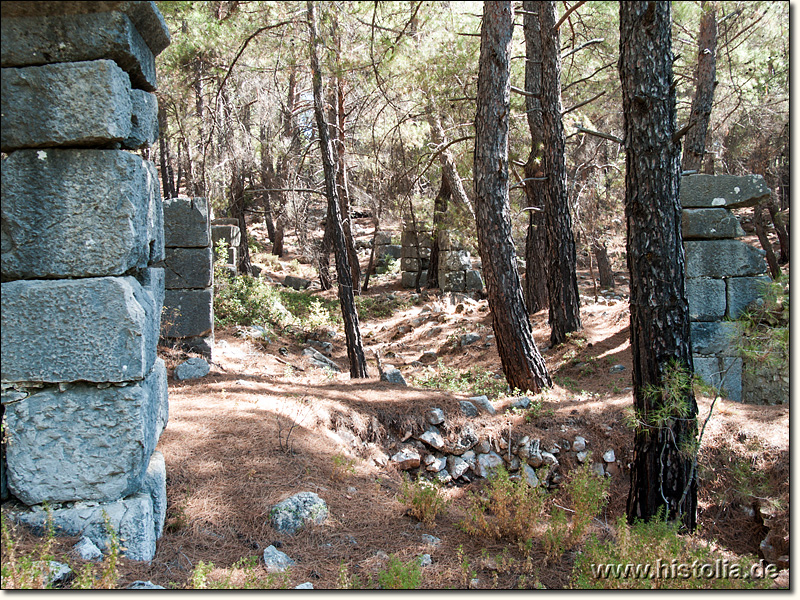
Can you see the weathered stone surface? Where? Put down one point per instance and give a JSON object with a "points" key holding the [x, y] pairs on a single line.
{"points": [[706, 297], [609, 456], [723, 258], [144, 585], [412, 252], [408, 279], [87, 550], [294, 513], [483, 404], [391, 250], [730, 191], [144, 120], [454, 281], [454, 260], [383, 239], [188, 313], [68, 104], [131, 518], [98, 329], [457, 466], [468, 338], [473, 282], [579, 445], [765, 384], [468, 409], [434, 416], [38, 40], [406, 459], [709, 224], [530, 476], [409, 264], [433, 438], [232, 236], [77, 213], [296, 283], [486, 464], [83, 443], [393, 375], [186, 223], [155, 215], [741, 291], [718, 337], [155, 485], [188, 268], [712, 369], [320, 360], [192, 368]]}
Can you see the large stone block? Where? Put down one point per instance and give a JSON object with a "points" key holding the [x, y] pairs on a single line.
{"points": [[83, 442], [741, 291], [77, 213], [409, 264], [39, 40], [454, 281], [155, 215], [706, 298], [718, 337], [144, 120], [188, 313], [409, 278], [454, 260], [723, 258], [729, 191], [155, 485], [709, 223], [188, 268], [392, 250], [230, 234], [723, 372], [186, 223], [473, 281], [131, 518], [67, 104], [98, 330]]}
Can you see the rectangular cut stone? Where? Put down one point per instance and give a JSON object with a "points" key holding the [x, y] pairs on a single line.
{"points": [[188, 313], [408, 278], [729, 191], [741, 291], [68, 104], [706, 298], [83, 441], [186, 223], [723, 258], [454, 281], [144, 120], [47, 39], [188, 268], [77, 213], [131, 518], [718, 338], [392, 250], [230, 234], [97, 329], [155, 215], [383, 239], [411, 252], [721, 370], [709, 224], [155, 485], [409, 264], [455, 260], [473, 281]]}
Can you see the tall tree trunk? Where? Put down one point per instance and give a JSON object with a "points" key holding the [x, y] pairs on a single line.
{"points": [[291, 141], [663, 477], [761, 232], [439, 215], [448, 163], [324, 257], [523, 366], [536, 297], [267, 182], [705, 75], [243, 265], [562, 278], [604, 271], [355, 350], [199, 175], [164, 156], [780, 229]]}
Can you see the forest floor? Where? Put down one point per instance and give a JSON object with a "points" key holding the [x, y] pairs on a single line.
{"points": [[264, 425]]}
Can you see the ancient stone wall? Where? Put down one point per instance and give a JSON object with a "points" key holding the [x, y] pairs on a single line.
{"points": [[188, 318], [455, 264], [84, 395], [723, 275]]}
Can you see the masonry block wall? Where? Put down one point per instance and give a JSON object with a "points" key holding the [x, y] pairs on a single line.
{"points": [[84, 395], [188, 317], [723, 275]]}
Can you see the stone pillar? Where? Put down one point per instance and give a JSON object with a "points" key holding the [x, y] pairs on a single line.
{"points": [[413, 260], [455, 267], [84, 395], [723, 274], [228, 231], [188, 318]]}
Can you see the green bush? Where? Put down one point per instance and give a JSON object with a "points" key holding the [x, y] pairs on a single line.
{"points": [[401, 576], [476, 380], [423, 498]]}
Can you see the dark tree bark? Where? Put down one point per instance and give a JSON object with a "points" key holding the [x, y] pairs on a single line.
{"points": [[780, 229], [705, 75], [355, 350], [536, 297], [324, 259], [562, 279], [761, 232], [439, 214], [663, 476], [291, 140], [236, 207], [604, 271], [165, 156], [449, 170], [523, 366], [268, 182]]}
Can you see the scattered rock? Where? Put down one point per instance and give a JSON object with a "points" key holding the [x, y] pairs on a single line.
{"points": [[598, 469], [193, 368], [283, 351], [326, 347], [617, 369], [305, 586], [483, 404], [487, 464], [579, 445], [436, 465], [297, 283], [457, 466], [581, 456], [145, 585], [549, 458], [466, 441], [444, 476], [406, 459], [290, 515], [403, 329], [393, 375], [433, 438], [320, 360], [535, 454], [57, 572], [482, 447], [425, 560], [609, 456], [468, 408], [429, 356], [276, 561], [431, 540], [87, 549], [530, 476], [468, 338], [434, 416], [522, 402]]}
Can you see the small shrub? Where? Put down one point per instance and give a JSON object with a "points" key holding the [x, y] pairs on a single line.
{"points": [[401, 576], [24, 571], [476, 380], [424, 499], [342, 467], [589, 494]]}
